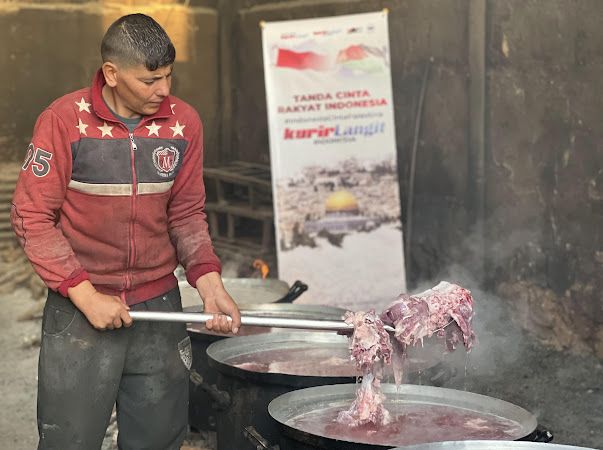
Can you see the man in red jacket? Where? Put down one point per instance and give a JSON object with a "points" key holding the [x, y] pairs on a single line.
{"points": [[109, 201]]}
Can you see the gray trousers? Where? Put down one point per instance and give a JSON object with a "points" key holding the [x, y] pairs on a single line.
{"points": [[83, 372]]}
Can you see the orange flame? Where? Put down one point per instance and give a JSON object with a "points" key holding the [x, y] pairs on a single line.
{"points": [[262, 267]]}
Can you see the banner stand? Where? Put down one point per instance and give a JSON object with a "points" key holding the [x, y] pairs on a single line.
{"points": [[333, 156]]}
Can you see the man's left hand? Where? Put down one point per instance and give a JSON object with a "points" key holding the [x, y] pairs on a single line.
{"points": [[227, 317]]}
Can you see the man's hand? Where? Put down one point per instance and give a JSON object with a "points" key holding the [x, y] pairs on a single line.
{"points": [[216, 300], [104, 312]]}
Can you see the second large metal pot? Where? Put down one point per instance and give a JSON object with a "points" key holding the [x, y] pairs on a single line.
{"points": [[420, 414]]}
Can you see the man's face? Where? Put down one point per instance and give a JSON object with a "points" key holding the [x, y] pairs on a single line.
{"points": [[141, 91]]}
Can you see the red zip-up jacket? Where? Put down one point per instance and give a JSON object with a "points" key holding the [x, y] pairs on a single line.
{"points": [[94, 201]]}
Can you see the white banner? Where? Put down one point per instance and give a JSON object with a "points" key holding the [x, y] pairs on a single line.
{"points": [[333, 156]]}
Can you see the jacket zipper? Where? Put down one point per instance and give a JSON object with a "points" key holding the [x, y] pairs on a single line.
{"points": [[132, 249]]}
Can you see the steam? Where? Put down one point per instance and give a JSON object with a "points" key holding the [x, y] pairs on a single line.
{"points": [[499, 340]]}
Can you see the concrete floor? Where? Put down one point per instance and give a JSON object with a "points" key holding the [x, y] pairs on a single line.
{"points": [[18, 373]]}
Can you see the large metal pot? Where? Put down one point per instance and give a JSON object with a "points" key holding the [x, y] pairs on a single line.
{"points": [[205, 398], [252, 295], [247, 377], [421, 414], [490, 445]]}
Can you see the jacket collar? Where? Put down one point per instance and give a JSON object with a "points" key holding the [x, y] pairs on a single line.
{"points": [[102, 111]]}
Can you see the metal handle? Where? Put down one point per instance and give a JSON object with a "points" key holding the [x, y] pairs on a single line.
{"points": [[539, 435], [220, 398], [261, 443], [297, 289], [273, 322]]}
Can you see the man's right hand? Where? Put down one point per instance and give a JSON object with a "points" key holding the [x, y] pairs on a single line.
{"points": [[104, 312]]}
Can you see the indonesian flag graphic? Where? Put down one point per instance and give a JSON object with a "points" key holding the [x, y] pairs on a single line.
{"points": [[302, 60], [359, 58]]}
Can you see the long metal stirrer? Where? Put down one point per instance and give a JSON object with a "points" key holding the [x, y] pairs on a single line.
{"points": [[276, 322]]}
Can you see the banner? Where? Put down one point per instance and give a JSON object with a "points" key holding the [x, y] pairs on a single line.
{"points": [[333, 157]]}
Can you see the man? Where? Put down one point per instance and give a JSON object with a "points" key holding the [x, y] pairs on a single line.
{"points": [[109, 200]]}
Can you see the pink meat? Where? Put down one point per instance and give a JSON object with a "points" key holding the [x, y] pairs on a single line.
{"points": [[370, 342], [445, 310], [370, 347], [422, 315], [368, 406]]}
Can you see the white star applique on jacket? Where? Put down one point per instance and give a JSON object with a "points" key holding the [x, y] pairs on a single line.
{"points": [[83, 106], [81, 126], [153, 129], [177, 129], [105, 130]]}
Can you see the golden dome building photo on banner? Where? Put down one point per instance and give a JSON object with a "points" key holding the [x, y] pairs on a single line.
{"points": [[342, 214]]}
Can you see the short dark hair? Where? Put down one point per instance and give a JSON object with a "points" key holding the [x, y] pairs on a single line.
{"points": [[138, 39]]}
